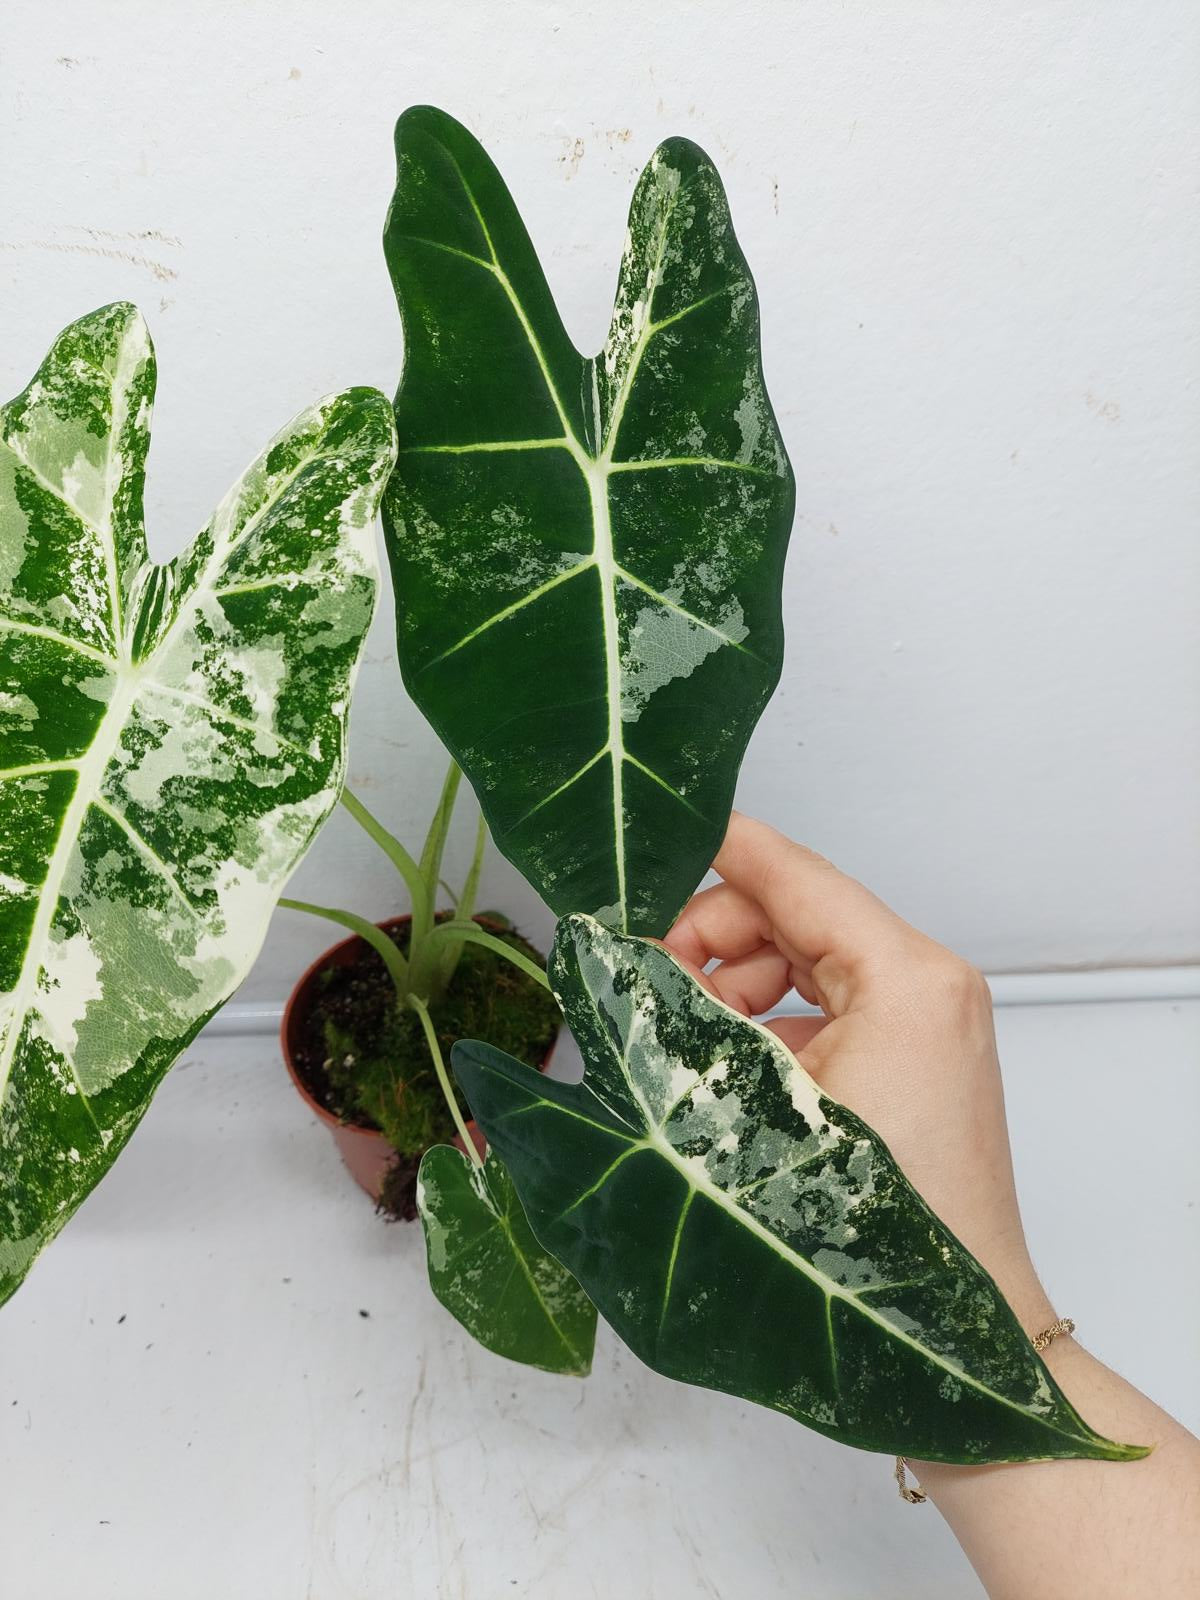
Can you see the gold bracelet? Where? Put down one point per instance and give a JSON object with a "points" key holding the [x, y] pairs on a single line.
{"points": [[911, 1492]]}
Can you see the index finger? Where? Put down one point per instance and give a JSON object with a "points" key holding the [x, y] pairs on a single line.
{"points": [[814, 910], [718, 924]]}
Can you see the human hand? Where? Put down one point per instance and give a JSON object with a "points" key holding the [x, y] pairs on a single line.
{"points": [[906, 1039]]}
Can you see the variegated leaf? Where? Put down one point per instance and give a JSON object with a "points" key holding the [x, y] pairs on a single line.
{"points": [[587, 553], [491, 1274], [741, 1230], [171, 738]]}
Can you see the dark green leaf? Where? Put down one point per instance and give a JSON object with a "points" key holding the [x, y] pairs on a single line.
{"points": [[742, 1231], [587, 553], [491, 1274]]}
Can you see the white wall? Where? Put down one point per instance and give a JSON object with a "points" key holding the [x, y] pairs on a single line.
{"points": [[975, 233]]}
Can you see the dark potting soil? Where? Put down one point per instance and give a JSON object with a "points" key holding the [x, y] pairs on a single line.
{"points": [[366, 1060]]}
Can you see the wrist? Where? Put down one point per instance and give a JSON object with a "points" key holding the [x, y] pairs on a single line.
{"points": [[1009, 1265]]}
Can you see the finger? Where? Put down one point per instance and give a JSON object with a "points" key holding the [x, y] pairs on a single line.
{"points": [[703, 978], [718, 924], [817, 914], [797, 1032], [722, 924], [753, 984]]}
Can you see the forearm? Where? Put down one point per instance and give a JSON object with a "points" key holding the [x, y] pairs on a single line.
{"points": [[1083, 1530]]}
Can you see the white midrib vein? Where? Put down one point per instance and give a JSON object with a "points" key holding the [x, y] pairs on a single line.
{"points": [[127, 360], [92, 765], [596, 470], [129, 680], [91, 771], [602, 548]]}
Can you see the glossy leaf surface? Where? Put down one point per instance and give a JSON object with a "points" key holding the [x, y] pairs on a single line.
{"points": [[171, 738], [587, 552], [742, 1231], [491, 1274]]}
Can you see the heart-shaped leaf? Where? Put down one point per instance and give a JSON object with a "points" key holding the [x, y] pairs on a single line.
{"points": [[587, 553], [742, 1231], [171, 739], [491, 1274]]}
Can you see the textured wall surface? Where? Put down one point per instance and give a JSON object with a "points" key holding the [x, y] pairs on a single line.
{"points": [[976, 240]]}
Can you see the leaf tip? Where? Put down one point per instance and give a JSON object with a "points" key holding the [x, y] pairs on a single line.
{"points": [[683, 154], [112, 336], [120, 320], [372, 405], [430, 120], [572, 933], [1128, 1452], [466, 1052]]}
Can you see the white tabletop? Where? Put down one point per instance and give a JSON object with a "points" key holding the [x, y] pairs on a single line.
{"points": [[228, 1378]]}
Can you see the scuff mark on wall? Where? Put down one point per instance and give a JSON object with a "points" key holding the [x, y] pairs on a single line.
{"points": [[157, 269], [137, 235], [572, 156]]}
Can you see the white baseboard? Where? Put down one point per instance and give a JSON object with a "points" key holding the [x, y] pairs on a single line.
{"points": [[1090, 987]]}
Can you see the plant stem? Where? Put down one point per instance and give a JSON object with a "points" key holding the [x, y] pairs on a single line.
{"points": [[464, 906], [473, 933], [418, 890], [433, 849], [466, 900], [439, 1066], [378, 940]]}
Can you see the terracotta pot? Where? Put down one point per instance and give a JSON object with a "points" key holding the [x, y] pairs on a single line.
{"points": [[365, 1151]]}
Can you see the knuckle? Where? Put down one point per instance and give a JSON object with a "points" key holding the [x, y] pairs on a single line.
{"points": [[813, 857], [963, 983], [939, 971]]}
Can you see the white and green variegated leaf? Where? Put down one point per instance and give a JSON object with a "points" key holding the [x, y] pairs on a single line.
{"points": [[491, 1274], [171, 738], [742, 1231], [587, 553]]}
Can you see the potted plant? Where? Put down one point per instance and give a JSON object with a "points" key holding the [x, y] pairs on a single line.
{"points": [[587, 557], [368, 1026]]}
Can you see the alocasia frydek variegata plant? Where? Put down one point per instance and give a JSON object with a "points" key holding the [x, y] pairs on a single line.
{"points": [[171, 739], [587, 558]]}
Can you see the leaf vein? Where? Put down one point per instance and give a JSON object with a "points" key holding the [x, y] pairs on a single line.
{"points": [[649, 772], [54, 637], [139, 839], [511, 610], [670, 1278], [554, 794], [650, 463], [673, 605]]}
